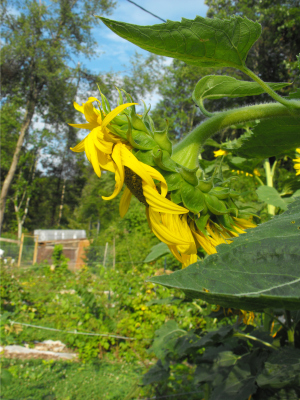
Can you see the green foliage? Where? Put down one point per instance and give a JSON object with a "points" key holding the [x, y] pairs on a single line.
{"points": [[211, 43], [116, 302], [10, 124], [60, 261], [232, 362]]}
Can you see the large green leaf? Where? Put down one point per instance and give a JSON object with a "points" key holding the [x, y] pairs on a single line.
{"points": [[282, 369], [203, 41], [270, 196], [272, 137], [259, 269], [216, 87]]}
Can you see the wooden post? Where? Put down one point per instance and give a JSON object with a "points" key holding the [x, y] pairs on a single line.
{"points": [[105, 254], [114, 253], [20, 250], [36, 245]]}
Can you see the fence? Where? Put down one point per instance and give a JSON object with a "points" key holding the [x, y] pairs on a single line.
{"points": [[17, 252], [105, 255]]}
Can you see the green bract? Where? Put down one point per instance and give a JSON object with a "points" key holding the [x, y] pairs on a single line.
{"points": [[154, 148]]}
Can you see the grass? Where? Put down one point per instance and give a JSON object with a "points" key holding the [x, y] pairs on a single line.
{"points": [[62, 380]]}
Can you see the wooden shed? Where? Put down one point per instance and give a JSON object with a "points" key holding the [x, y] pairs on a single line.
{"points": [[74, 243]]}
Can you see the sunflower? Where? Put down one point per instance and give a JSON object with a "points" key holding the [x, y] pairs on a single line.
{"points": [[297, 161], [108, 147], [220, 152]]}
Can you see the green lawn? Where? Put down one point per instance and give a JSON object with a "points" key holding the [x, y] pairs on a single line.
{"points": [[61, 380]]}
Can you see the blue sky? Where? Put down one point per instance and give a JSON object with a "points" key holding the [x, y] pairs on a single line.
{"points": [[113, 52]]}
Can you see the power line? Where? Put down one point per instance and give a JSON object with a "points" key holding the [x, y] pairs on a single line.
{"points": [[149, 12], [75, 331]]}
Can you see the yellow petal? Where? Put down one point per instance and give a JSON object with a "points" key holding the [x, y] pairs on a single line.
{"points": [[178, 225], [188, 260], [244, 223], [105, 162], [148, 218], [215, 234], [158, 176], [109, 117], [78, 107], [102, 145], [89, 111], [175, 253], [125, 202], [79, 147], [162, 232], [89, 126], [119, 172], [159, 203], [130, 161], [204, 242], [93, 156]]}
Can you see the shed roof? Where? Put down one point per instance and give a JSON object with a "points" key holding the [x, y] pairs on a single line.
{"points": [[45, 235]]}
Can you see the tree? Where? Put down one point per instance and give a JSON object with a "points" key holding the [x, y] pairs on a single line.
{"points": [[38, 44], [273, 56]]}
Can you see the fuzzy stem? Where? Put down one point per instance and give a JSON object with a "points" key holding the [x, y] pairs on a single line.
{"points": [[247, 337], [204, 110], [288, 103], [269, 178], [186, 152]]}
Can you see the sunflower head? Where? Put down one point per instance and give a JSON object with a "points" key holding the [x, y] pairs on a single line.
{"points": [[184, 210]]}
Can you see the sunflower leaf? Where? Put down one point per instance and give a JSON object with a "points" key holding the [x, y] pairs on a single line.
{"points": [[267, 139], [270, 196], [214, 87], [203, 42], [157, 251], [258, 269]]}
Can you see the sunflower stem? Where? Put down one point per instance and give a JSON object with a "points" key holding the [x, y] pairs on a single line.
{"points": [[247, 337], [291, 104], [269, 179], [186, 152]]}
